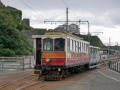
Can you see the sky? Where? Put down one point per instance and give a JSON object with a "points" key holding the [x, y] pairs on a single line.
{"points": [[103, 15]]}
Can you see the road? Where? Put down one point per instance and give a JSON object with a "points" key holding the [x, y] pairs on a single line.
{"points": [[101, 78]]}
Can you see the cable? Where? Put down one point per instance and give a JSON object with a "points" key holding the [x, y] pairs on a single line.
{"points": [[65, 3], [28, 6]]}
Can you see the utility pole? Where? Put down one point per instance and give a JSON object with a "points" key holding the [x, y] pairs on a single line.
{"points": [[88, 31], [79, 27], [67, 21], [109, 41], [109, 47], [67, 30]]}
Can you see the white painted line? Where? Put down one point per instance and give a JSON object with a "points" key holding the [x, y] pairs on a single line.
{"points": [[114, 71], [110, 77]]}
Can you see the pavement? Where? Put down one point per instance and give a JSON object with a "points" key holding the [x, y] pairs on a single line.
{"points": [[101, 78], [98, 79]]}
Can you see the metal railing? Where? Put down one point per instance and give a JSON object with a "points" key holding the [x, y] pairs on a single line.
{"points": [[114, 65], [16, 63]]}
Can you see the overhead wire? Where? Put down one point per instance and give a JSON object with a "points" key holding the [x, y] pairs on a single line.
{"points": [[28, 6], [65, 3]]}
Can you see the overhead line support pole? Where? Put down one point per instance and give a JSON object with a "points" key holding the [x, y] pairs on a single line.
{"points": [[67, 20]]}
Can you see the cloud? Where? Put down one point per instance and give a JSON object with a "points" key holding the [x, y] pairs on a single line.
{"points": [[103, 15]]}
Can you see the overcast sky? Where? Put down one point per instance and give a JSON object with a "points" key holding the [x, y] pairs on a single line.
{"points": [[103, 15]]}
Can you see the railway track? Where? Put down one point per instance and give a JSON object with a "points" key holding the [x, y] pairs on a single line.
{"points": [[28, 85], [23, 80]]}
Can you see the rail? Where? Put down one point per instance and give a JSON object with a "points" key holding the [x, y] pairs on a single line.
{"points": [[114, 65]]}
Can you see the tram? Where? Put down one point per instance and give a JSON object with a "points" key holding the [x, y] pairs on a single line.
{"points": [[58, 53]]}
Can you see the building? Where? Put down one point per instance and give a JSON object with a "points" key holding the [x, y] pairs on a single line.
{"points": [[73, 28], [26, 21]]}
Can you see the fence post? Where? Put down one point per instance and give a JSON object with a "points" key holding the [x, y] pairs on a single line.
{"points": [[117, 67], [109, 63], [23, 62], [3, 64], [30, 62], [112, 66]]}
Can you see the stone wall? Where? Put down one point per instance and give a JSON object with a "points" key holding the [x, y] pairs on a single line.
{"points": [[29, 34]]}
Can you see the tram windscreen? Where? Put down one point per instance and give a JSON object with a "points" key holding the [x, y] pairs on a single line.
{"points": [[47, 44], [59, 44]]}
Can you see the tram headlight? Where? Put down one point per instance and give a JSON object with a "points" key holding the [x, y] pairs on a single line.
{"points": [[47, 60]]}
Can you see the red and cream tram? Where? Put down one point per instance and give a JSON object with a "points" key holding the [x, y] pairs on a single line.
{"points": [[58, 53]]}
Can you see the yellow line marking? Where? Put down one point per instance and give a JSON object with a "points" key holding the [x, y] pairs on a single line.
{"points": [[36, 70], [34, 74], [110, 77]]}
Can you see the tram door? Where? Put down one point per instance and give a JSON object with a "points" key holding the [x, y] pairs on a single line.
{"points": [[38, 51]]}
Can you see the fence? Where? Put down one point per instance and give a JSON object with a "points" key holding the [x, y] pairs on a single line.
{"points": [[114, 65], [16, 63]]}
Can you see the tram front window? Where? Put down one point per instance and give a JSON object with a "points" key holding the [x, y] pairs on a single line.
{"points": [[59, 44], [47, 44]]}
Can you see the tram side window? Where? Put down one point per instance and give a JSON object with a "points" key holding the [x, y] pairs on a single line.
{"points": [[59, 44], [80, 46], [68, 44], [75, 47], [47, 44], [71, 45], [85, 48]]}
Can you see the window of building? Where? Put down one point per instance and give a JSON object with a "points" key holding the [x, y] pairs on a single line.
{"points": [[59, 44], [47, 44]]}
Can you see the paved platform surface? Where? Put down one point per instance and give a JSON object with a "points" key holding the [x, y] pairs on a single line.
{"points": [[98, 79]]}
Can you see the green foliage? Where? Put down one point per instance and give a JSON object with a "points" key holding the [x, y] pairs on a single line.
{"points": [[16, 14], [1, 5], [12, 41], [94, 40], [40, 31], [7, 52], [23, 27]]}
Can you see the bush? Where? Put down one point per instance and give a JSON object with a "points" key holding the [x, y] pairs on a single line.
{"points": [[12, 41], [7, 52], [23, 27]]}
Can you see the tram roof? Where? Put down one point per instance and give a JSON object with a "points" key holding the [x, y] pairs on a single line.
{"points": [[53, 33]]}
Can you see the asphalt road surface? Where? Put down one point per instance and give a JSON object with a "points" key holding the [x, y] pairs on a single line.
{"points": [[97, 79]]}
